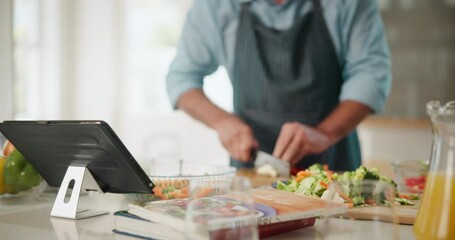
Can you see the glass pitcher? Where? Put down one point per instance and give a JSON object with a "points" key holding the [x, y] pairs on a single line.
{"points": [[436, 217]]}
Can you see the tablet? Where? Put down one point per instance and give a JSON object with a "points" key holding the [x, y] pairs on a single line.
{"points": [[52, 146]]}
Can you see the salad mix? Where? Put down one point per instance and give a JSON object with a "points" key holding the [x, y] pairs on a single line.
{"points": [[315, 181]]}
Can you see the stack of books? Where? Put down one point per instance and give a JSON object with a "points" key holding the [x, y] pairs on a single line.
{"points": [[277, 211]]}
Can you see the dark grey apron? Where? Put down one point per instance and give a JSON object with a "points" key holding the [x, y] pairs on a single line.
{"points": [[287, 76]]}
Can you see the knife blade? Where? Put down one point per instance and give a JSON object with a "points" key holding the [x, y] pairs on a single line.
{"points": [[262, 158]]}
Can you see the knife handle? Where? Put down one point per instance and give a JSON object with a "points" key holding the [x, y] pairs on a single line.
{"points": [[254, 154]]}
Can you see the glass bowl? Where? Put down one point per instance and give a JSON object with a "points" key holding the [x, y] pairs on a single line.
{"points": [[172, 180], [411, 175], [32, 194]]}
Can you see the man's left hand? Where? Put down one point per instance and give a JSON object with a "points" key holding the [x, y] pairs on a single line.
{"points": [[297, 140]]}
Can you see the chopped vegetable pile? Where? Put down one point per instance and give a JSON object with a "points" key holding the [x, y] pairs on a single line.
{"points": [[171, 189], [315, 181]]}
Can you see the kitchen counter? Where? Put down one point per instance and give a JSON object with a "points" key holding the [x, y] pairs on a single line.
{"points": [[30, 220]]}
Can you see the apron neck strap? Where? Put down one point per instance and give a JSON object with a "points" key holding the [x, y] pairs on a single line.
{"points": [[317, 6]]}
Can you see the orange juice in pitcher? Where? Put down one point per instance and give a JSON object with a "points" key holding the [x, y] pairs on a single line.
{"points": [[436, 217]]}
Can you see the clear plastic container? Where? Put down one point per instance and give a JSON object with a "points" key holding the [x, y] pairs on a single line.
{"points": [[172, 180], [411, 175]]}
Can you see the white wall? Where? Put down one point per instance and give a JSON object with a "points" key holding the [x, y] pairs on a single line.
{"points": [[51, 61], [92, 68], [96, 55], [170, 137], [6, 60], [393, 143]]}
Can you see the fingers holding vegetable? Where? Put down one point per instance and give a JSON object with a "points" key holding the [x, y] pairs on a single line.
{"points": [[297, 140]]}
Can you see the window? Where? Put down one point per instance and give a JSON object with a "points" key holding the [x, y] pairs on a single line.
{"points": [[27, 58], [153, 29]]}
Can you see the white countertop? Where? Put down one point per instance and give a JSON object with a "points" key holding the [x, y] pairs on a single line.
{"points": [[32, 220]]}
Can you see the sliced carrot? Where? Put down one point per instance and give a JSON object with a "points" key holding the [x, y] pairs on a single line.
{"points": [[402, 195], [184, 191], [303, 174], [299, 178], [163, 183], [349, 204], [344, 196], [158, 192], [324, 184]]}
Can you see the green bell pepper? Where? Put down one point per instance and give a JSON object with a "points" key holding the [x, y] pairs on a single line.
{"points": [[19, 175]]}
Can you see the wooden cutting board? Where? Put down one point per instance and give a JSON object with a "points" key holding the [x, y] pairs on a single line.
{"points": [[258, 180], [405, 214]]}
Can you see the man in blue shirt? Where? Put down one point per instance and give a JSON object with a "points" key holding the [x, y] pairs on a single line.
{"points": [[305, 73]]}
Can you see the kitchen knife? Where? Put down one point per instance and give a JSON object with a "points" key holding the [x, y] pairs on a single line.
{"points": [[262, 158]]}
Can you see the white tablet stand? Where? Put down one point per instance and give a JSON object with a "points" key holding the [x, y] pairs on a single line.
{"points": [[81, 178]]}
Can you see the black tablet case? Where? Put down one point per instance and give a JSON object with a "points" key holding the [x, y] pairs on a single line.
{"points": [[51, 146]]}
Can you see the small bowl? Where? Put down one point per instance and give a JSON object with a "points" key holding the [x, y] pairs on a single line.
{"points": [[172, 180], [411, 175]]}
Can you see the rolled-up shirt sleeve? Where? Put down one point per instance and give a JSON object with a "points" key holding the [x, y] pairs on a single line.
{"points": [[366, 70], [195, 56]]}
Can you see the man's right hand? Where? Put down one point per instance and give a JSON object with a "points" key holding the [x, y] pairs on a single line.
{"points": [[237, 137]]}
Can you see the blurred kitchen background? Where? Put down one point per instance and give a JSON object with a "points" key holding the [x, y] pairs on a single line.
{"points": [[107, 59]]}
